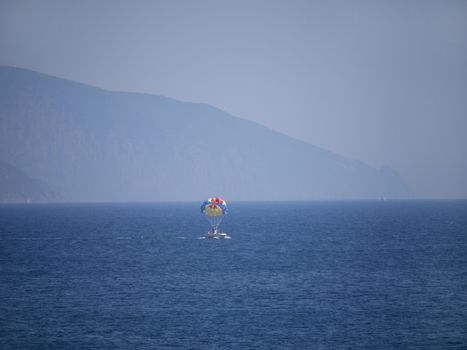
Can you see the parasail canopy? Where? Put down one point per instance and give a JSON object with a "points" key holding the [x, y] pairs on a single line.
{"points": [[214, 210]]}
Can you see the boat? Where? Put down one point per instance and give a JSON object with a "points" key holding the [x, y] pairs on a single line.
{"points": [[216, 234]]}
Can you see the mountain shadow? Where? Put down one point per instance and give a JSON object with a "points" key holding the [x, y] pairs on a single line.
{"points": [[17, 187]]}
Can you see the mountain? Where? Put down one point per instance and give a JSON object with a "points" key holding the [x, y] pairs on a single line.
{"points": [[16, 186], [90, 144]]}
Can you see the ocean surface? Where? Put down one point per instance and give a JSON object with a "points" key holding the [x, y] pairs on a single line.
{"points": [[295, 275]]}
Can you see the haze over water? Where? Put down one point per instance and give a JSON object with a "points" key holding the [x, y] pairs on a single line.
{"points": [[296, 275], [383, 82]]}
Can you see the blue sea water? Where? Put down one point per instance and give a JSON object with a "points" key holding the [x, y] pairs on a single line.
{"points": [[295, 275]]}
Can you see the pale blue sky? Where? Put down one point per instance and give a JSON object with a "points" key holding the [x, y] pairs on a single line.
{"points": [[380, 81]]}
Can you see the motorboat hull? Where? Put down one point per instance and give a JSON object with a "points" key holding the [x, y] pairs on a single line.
{"points": [[217, 235]]}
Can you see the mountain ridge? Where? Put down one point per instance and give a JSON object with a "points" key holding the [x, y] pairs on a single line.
{"points": [[149, 95], [89, 143]]}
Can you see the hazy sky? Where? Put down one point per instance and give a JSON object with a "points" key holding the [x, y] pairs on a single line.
{"points": [[380, 81]]}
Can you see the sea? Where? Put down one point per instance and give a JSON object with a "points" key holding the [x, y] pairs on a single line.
{"points": [[294, 275]]}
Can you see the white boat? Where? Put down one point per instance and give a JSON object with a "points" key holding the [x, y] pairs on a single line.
{"points": [[216, 234]]}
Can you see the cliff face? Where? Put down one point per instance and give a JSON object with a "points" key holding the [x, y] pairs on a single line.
{"points": [[91, 144]]}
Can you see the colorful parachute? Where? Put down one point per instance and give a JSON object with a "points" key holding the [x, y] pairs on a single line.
{"points": [[214, 210]]}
